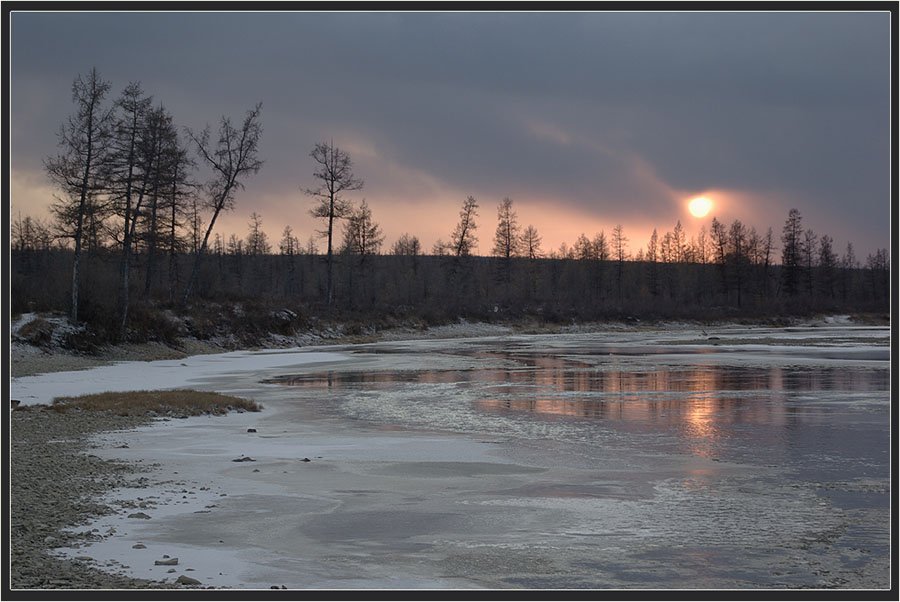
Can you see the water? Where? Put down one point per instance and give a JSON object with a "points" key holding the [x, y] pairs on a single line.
{"points": [[815, 418], [704, 471]]}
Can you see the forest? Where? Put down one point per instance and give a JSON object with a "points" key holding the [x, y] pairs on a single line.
{"points": [[131, 241]]}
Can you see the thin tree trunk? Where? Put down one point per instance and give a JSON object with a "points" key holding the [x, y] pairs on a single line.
{"points": [[196, 268], [328, 287], [126, 244]]}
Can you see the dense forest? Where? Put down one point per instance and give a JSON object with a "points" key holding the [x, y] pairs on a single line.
{"points": [[132, 240]]}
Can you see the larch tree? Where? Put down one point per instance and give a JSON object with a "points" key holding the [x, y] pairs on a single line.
{"points": [[407, 245], [620, 254], [531, 242], [652, 257], [362, 235], [257, 239], [232, 158], [601, 246], [78, 169], [159, 149], [124, 176], [810, 244], [463, 239], [827, 265], [792, 252], [334, 171], [583, 248], [289, 244], [507, 238]]}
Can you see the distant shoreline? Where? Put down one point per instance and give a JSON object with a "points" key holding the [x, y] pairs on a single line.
{"points": [[28, 360]]}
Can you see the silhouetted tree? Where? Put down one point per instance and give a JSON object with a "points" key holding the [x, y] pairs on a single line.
{"points": [[827, 261], [506, 238], [257, 239], [531, 242], [77, 170], [620, 254], [463, 239], [652, 257], [123, 177], [792, 252], [407, 245], [233, 158], [808, 251], [335, 174], [362, 235]]}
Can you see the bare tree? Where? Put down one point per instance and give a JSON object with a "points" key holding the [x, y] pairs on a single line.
{"points": [[232, 159], [77, 170], [407, 245], [335, 175], [583, 249], [124, 166], [828, 261], [312, 248], [362, 236], [463, 239], [601, 246], [652, 257], [257, 239], [808, 249], [620, 253], [506, 239], [440, 248], [791, 251], [531, 242], [159, 150], [289, 244]]}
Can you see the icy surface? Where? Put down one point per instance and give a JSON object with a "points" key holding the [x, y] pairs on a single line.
{"points": [[740, 458]]}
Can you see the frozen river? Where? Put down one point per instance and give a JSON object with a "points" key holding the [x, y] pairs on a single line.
{"points": [[702, 465], [740, 458]]}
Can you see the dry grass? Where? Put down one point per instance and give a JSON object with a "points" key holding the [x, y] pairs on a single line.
{"points": [[139, 403]]}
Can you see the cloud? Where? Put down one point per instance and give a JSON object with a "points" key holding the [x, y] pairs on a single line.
{"points": [[608, 116]]}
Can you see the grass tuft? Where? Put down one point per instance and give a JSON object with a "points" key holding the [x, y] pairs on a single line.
{"points": [[140, 403]]}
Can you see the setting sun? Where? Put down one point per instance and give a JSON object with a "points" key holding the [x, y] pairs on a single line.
{"points": [[700, 206]]}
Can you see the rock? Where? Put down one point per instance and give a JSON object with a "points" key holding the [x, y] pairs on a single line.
{"points": [[171, 571], [244, 459], [166, 562], [138, 546], [185, 580], [84, 558], [251, 430], [306, 460], [139, 515]]}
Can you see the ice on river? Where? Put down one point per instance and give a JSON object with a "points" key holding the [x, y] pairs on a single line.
{"points": [[679, 458]]}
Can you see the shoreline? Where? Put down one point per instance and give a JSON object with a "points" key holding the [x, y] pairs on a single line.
{"points": [[52, 501], [29, 360]]}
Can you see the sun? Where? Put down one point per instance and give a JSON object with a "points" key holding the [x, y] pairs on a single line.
{"points": [[700, 206]]}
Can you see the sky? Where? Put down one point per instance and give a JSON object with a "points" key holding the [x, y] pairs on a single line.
{"points": [[585, 120]]}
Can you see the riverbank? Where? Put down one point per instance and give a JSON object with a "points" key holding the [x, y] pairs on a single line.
{"points": [[27, 359], [55, 487]]}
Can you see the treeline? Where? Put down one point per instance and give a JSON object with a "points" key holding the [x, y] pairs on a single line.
{"points": [[440, 289], [133, 230]]}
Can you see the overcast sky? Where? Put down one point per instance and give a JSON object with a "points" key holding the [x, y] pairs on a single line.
{"points": [[585, 120]]}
